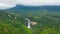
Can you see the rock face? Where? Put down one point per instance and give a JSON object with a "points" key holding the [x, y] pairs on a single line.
{"points": [[33, 23]]}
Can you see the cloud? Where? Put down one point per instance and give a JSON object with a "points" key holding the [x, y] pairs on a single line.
{"points": [[4, 6], [10, 3], [38, 2]]}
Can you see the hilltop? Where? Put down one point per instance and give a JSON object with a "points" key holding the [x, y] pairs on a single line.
{"points": [[34, 8]]}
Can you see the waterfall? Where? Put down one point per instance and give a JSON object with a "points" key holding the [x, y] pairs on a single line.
{"points": [[28, 25]]}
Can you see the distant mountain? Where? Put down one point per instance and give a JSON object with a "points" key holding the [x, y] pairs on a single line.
{"points": [[26, 8]]}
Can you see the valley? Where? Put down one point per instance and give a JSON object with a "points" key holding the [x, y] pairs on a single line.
{"points": [[42, 22]]}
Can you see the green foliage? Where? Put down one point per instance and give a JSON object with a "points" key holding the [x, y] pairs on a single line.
{"points": [[48, 22], [10, 25]]}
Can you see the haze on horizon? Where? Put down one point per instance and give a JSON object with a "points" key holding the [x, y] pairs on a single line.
{"points": [[11, 3]]}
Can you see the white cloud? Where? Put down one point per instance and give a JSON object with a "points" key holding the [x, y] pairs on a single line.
{"points": [[4, 6], [10, 3], [38, 2]]}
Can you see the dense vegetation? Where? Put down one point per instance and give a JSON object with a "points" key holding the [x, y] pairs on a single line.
{"points": [[11, 25], [48, 22]]}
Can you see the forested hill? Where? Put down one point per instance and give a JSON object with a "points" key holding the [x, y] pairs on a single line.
{"points": [[34, 8], [42, 22], [11, 23]]}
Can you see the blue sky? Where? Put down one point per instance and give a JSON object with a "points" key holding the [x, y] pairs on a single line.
{"points": [[11, 3]]}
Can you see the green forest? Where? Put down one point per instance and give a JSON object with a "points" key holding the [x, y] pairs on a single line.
{"points": [[46, 22]]}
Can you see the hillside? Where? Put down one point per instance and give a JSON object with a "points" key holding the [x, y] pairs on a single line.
{"points": [[46, 22], [11, 25]]}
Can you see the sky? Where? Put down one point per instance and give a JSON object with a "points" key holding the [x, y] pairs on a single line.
{"points": [[11, 3]]}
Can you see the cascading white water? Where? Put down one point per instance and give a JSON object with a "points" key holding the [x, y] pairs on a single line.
{"points": [[28, 25]]}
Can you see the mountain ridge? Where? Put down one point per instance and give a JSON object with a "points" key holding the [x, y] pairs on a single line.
{"points": [[25, 8]]}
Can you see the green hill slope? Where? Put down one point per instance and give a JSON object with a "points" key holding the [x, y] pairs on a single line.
{"points": [[46, 22], [10, 25]]}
